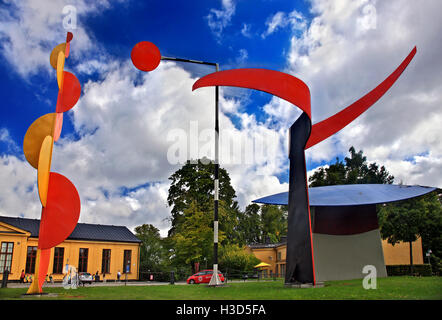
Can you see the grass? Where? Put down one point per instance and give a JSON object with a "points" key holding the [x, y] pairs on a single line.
{"points": [[392, 288]]}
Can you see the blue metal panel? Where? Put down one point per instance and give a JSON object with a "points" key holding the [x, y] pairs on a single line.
{"points": [[353, 194]]}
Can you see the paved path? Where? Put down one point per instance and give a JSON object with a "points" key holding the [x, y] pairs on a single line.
{"points": [[98, 284], [115, 283]]}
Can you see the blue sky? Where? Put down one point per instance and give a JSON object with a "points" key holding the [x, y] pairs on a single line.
{"points": [[179, 29], [115, 141]]}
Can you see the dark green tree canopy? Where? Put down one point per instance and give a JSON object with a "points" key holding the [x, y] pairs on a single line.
{"points": [[153, 255], [354, 170], [194, 182]]}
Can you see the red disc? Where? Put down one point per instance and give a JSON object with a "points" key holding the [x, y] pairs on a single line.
{"points": [[69, 94], [60, 216], [69, 37], [145, 56]]}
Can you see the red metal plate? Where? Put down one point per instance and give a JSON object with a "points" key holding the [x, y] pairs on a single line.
{"points": [[324, 129], [60, 216], [276, 83], [45, 255], [69, 94]]}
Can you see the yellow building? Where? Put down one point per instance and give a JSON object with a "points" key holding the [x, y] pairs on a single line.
{"points": [[275, 255], [90, 248]]}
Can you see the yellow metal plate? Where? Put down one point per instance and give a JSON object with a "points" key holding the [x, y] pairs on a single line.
{"points": [[44, 169], [53, 59], [60, 68], [37, 132]]}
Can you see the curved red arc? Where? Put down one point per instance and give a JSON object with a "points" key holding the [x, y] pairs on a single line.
{"points": [[324, 129], [274, 82]]}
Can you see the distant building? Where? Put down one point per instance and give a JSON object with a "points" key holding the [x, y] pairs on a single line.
{"points": [[90, 248], [275, 255]]}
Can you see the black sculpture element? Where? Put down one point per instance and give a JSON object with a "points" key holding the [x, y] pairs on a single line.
{"points": [[299, 260]]}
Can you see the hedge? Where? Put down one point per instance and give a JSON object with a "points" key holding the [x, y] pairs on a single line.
{"points": [[404, 270]]}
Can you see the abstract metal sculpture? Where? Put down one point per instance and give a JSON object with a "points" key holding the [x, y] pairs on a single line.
{"points": [[59, 198], [300, 266]]}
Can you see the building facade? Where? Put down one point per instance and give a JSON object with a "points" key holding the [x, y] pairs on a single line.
{"points": [[275, 255], [90, 248]]}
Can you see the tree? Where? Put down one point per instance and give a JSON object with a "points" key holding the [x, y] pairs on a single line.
{"points": [[249, 228], [153, 255], [193, 237], [234, 259], [407, 220], [354, 170], [194, 182], [273, 222], [431, 232]]}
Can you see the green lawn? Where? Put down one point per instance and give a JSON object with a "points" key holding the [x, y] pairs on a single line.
{"points": [[397, 288]]}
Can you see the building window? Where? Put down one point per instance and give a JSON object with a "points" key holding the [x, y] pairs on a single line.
{"points": [[82, 260], [58, 260], [282, 268], [105, 261], [6, 256], [279, 256], [31, 256], [126, 261]]}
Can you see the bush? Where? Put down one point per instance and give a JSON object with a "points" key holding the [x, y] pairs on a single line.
{"points": [[404, 270], [235, 259]]}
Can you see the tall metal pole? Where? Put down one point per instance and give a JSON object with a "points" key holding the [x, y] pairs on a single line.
{"points": [[215, 280]]}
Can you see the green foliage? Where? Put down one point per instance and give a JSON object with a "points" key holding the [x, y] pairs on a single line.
{"points": [[153, 255], [274, 222], [195, 182], [234, 259], [260, 223], [409, 219], [402, 270], [193, 237], [354, 170], [249, 227]]}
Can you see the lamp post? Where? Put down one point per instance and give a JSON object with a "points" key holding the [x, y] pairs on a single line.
{"points": [[428, 254], [146, 57]]}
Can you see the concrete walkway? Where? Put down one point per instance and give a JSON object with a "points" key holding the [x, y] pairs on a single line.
{"points": [[113, 283], [98, 284]]}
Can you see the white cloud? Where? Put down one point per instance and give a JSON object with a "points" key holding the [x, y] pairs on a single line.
{"points": [[281, 20], [245, 31], [9, 144], [341, 57], [218, 20], [30, 29]]}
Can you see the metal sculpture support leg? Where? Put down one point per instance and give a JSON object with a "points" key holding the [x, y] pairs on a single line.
{"points": [[299, 261]]}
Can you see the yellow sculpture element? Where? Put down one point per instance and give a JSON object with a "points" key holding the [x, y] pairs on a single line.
{"points": [[53, 59], [44, 169], [37, 132], [60, 68], [34, 287]]}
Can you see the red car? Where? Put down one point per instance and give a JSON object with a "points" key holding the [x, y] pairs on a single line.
{"points": [[203, 277]]}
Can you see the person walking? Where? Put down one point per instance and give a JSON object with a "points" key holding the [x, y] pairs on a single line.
{"points": [[22, 276], [118, 275]]}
